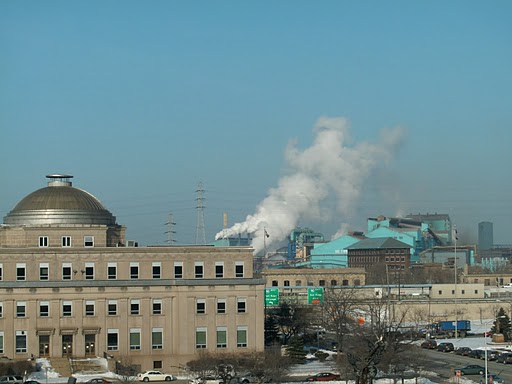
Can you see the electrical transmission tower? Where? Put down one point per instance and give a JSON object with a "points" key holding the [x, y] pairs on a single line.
{"points": [[200, 231], [170, 230]]}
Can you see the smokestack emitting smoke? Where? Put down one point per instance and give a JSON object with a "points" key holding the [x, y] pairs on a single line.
{"points": [[329, 166]]}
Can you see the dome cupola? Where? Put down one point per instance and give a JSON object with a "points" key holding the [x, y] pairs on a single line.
{"points": [[59, 203]]}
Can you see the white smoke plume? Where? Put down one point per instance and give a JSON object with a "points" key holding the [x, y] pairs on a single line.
{"points": [[331, 165]]}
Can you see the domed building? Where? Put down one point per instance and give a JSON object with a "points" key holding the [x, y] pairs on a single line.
{"points": [[71, 216], [70, 288]]}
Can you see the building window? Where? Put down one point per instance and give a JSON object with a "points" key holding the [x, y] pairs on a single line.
{"points": [[440, 292], [239, 269], [275, 283], [476, 291], [157, 307], [200, 306], [134, 270], [157, 338], [89, 308], [221, 306], [89, 271], [463, 292], [112, 271], [66, 241], [287, 283], [21, 309], [200, 338], [1, 309], [334, 283], [66, 308], [112, 339], [134, 307], [67, 271], [43, 241], [88, 241], [1, 342], [21, 341], [21, 272], [298, 283], [44, 309], [198, 270], [112, 307], [357, 282], [1, 271], [157, 364], [44, 271], [222, 337], [453, 291], [241, 337], [135, 339], [178, 270], [241, 305], [157, 270], [219, 269], [321, 283]]}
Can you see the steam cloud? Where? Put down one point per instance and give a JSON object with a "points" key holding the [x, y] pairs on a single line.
{"points": [[331, 165]]}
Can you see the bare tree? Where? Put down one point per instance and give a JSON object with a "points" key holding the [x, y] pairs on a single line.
{"points": [[260, 366], [339, 315], [378, 342]]}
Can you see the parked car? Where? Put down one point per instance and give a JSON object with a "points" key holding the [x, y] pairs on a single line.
{"points": [[429, 344], [463, 351], [155, 376], [323, 376], [11, 379], [31, 382], [477, 354], [445, 347], [505, 358], [491, 379], [471, 369], [249, 379], [99, 380], [491, 355]]}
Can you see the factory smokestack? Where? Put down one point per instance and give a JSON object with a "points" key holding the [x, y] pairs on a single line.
{"points": [[330, 166]]}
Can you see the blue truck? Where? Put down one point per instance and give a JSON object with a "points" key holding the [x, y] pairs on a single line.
{"points": [[448, 328]]}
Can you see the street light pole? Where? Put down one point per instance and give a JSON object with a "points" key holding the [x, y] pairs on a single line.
{"points": [[455, 290], [485, 355]]}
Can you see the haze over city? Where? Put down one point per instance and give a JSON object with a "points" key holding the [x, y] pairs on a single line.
{"points": [[289, 113]]}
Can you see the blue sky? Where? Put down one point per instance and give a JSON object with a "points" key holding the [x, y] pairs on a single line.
{"points": [[142, 100]]}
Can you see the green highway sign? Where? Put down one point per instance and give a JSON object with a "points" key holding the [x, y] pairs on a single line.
{"points": [[315, 295], [271, 297]]}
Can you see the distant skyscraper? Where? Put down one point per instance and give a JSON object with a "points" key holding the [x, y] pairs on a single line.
{"points": [[485, 235]]}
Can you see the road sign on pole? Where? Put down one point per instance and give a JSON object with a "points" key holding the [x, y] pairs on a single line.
{"points": [[271, 297], [315, 295]]}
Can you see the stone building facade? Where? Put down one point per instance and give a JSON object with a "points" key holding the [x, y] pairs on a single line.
{"points": [[70, 287]]}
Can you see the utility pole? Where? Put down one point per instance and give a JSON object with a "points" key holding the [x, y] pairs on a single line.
{"points": [[455, 288], [200, 231], [170, 230]]}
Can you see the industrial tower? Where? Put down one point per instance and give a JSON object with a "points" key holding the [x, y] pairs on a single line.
{"points": [[200, 231]]}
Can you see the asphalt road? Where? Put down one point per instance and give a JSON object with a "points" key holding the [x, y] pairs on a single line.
{"points": [[445, 364]]}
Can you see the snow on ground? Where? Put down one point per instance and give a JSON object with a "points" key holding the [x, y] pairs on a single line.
{"points": [[48, 376]]}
